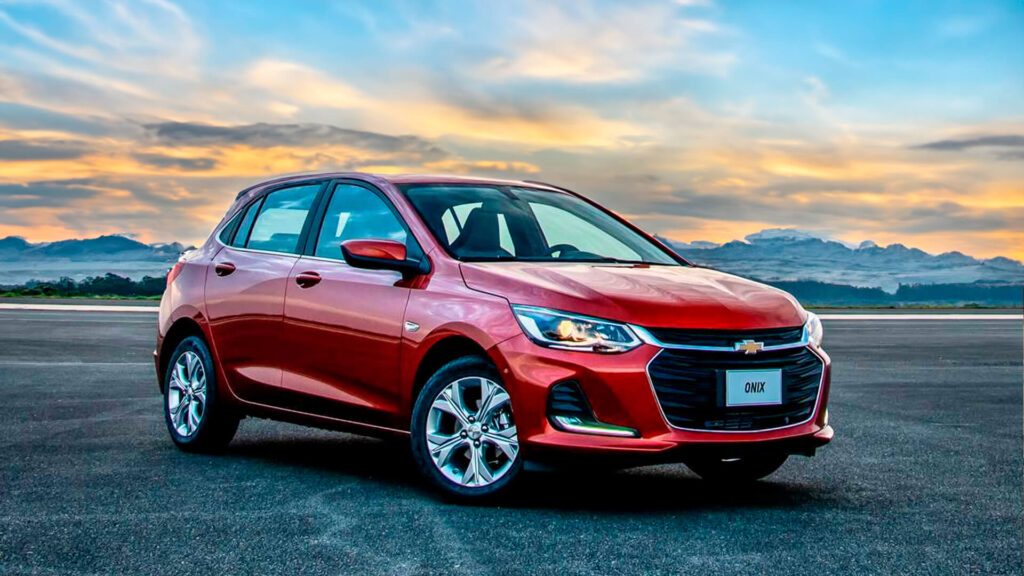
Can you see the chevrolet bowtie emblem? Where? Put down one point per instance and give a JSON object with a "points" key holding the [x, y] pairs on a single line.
{"points": [[749, 346]]}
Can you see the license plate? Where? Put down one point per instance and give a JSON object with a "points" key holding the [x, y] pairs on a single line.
{"points": [[753, 387]]}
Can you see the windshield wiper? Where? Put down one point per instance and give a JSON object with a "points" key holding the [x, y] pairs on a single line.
{"points": [[602, 260], [489, 258]]}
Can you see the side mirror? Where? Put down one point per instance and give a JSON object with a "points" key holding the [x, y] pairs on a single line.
{"points": [[382, 255]]}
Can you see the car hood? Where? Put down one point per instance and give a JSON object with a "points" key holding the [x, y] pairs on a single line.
{"points": [[651, 296]]}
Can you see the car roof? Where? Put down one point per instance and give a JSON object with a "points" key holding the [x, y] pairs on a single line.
{"points": [[401, 179], [450, 179]]}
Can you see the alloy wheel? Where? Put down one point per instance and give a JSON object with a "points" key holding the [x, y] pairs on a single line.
{"points": [[186, 394], [470, 432]]}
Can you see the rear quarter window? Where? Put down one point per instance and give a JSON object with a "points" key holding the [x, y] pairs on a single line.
{"points": [[242, 235], [228, 232]]}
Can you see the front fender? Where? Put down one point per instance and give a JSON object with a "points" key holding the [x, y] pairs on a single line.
{"points": [[450, 311]]}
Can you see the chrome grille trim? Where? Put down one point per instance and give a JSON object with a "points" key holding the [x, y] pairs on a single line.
{"points": [[649, 338]]}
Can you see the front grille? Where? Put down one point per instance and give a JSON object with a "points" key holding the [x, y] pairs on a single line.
{"points": [[690, 386], [727, 338]]}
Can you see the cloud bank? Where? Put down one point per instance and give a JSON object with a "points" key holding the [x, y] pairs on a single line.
{"points": [[699, 120]]}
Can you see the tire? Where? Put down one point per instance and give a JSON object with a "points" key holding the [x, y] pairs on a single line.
{"points": [[486, 435], [202, 422], [736, 470]]}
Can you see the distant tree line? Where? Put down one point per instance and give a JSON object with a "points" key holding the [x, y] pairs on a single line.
{"points": [[106, 285]]}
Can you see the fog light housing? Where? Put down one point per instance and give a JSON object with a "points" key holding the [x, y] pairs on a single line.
{"points": [[569, 411]]}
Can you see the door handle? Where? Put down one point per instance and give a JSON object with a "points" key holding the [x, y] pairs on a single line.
{"points": [[224, 268], [307, 279]]}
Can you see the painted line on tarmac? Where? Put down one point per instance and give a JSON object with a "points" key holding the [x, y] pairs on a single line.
{"points": [[33, 364], [873, 317], [841, 317], [78, 308]]}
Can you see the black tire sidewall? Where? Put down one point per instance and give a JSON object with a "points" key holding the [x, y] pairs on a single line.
{"points": [[461, 368]]}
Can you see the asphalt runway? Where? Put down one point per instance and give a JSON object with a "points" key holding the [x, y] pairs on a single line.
{"points": [[924, 477]]}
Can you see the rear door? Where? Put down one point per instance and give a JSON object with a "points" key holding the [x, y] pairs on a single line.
{"points": [[245, 289], [343, 323]]}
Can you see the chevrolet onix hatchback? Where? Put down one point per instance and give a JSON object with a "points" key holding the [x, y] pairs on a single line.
{"points": [[489, 322]]}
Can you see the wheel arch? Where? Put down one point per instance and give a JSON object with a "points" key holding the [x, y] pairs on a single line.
{"points": [[439, 352], [181, 329]]}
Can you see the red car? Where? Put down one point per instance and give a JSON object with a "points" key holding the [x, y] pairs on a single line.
{"points": [[488, 321]]}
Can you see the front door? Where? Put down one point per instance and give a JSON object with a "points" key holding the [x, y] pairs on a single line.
{"points": [[343, 324]]}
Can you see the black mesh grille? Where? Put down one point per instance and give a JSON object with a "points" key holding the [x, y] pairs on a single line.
{"points": [[720, 338], [690, 387], [566, 399]]}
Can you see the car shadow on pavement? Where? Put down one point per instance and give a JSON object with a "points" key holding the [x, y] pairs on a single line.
{"points": [[365, 458], [667, 487]]}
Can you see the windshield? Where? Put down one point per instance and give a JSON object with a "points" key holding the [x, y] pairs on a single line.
{"points": [[494, 223]]}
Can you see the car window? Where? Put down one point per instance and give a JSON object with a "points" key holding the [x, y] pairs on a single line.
{"points": [[504, 236], [485, 223], [563, 228], [454, 220], [451, 224], [242, 235], [356, 213], [279, 224], [227, 232]]}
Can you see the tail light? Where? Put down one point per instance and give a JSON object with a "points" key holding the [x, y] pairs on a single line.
{"points": [[175, 271]]}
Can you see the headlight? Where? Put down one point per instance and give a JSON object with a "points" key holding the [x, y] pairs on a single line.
{"points": [[564, 331], [814, 330]]}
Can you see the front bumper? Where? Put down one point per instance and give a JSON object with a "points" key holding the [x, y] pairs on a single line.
{"points": [[620, 393]]}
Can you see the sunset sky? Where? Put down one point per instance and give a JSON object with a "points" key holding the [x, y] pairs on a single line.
{"points": [[890, 121]]}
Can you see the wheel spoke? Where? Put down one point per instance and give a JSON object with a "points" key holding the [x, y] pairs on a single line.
{"points": [[181, 405], [181, 372], [443, 448], [193, 416], [178, 412], [477, 472], [437, 439], [453, 406], [504, 440], [199, 382], [457, 398], [190, 361], [483, 470], [487, 392], [471, 476], [494, 399], [176, 382]]}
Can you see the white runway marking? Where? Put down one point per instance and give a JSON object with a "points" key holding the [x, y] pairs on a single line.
{"points": [[76, 364], [78, 308], [841, 317], [873, 317]]}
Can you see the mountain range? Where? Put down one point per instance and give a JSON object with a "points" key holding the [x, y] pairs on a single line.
{"points": [[22, 261], [793, 255], [813, 268], [102, 247]]}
